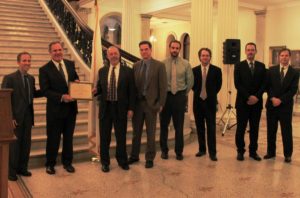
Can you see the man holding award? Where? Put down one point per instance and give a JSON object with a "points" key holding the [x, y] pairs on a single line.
{"points": [[61, 113]]}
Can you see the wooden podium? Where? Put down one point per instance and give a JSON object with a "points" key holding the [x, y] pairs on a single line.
{"points": [[6, 136]]}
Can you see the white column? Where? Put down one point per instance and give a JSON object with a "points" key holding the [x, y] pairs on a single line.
{"points": [[201, 32], [227, 29], [145, 27], [260, 34], [131, 26]]}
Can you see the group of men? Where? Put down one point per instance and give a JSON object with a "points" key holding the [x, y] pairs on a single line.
{"points": [[141, 93]]}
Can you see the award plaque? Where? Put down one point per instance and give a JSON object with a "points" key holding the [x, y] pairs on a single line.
{"points": [[81, 90]]}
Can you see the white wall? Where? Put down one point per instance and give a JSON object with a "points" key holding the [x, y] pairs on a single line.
{"points": [[282, 28]]}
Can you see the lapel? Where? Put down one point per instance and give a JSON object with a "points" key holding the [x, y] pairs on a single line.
{"points": [[21, 84], [121, 76], [105, 76]]}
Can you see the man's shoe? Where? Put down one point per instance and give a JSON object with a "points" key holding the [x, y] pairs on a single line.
{"points": [[105, 168], [69, 168], [200, 154], [12, 177], [255, 157], [124, 166], [25, 173], [132, 160], [164, 155], [287, 159], [269, 156], [213, 158], [149, 164], [50, 170], [179, 157], [240, 157]]}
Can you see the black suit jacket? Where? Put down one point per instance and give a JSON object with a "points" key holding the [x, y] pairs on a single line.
{"points": [[247, 84], [213, 84], [285, 91], [53, 86], [19, 102], [125, 90]]}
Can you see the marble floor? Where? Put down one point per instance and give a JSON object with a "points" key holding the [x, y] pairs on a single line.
{"points": [[192, 177]]}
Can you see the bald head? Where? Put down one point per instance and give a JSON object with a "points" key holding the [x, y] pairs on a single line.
{"points": [[113, 55]]}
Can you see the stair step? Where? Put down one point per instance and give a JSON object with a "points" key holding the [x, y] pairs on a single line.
{"points": [[39, 141], [40, 115], [29, 24], [24, 43], [31, 4], [26, 21], [40, 104], [37, 56], [17, 15], [40, 127], [30, 49], [31, 30], [47, 39], [18, 7]]}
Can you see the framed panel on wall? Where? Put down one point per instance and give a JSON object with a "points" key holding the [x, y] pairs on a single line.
{"points": [[274, 54], [295, 59]]}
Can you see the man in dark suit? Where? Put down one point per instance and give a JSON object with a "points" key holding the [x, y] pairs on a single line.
{"points": [[282, 85], [61, 107], [151, 84], [116, 92], [23, 85], [207, 84], [250, 82]]}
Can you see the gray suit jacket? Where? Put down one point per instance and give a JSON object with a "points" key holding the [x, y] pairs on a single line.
{"points": [[156, 87]]}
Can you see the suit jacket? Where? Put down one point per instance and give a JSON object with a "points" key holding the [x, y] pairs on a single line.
{"points": [[53, 86], [125, 90], [213, 84], [19, 102], [156, 87], [285, 91], [248, 84]]}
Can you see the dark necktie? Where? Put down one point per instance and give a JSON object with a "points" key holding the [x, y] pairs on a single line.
{"points": [[252, 68], [282, 74], [112, 89], [143, 78], [61, 71], [27, 89], [203, 93]]}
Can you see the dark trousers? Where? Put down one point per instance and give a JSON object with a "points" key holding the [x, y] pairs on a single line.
{"points": [[20, 149], [285, 120], [174, 108], [55, 128], [205, 114], [143, 113], [245, 114], [113, 118]]}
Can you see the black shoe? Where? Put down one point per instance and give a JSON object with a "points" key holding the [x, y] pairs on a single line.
{"points": [[240, 157], [268, 156], [132, 160], [149, 164], [200, 154], [179, 157], [164, 155], [69, 168], [124, 166], [213, 158], [50, 170], [255, 157], [25, 173], [12, 177], [105, 168], [287, 159]]}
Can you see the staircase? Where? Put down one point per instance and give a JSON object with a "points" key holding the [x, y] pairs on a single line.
{"points": [[25, 27]]}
